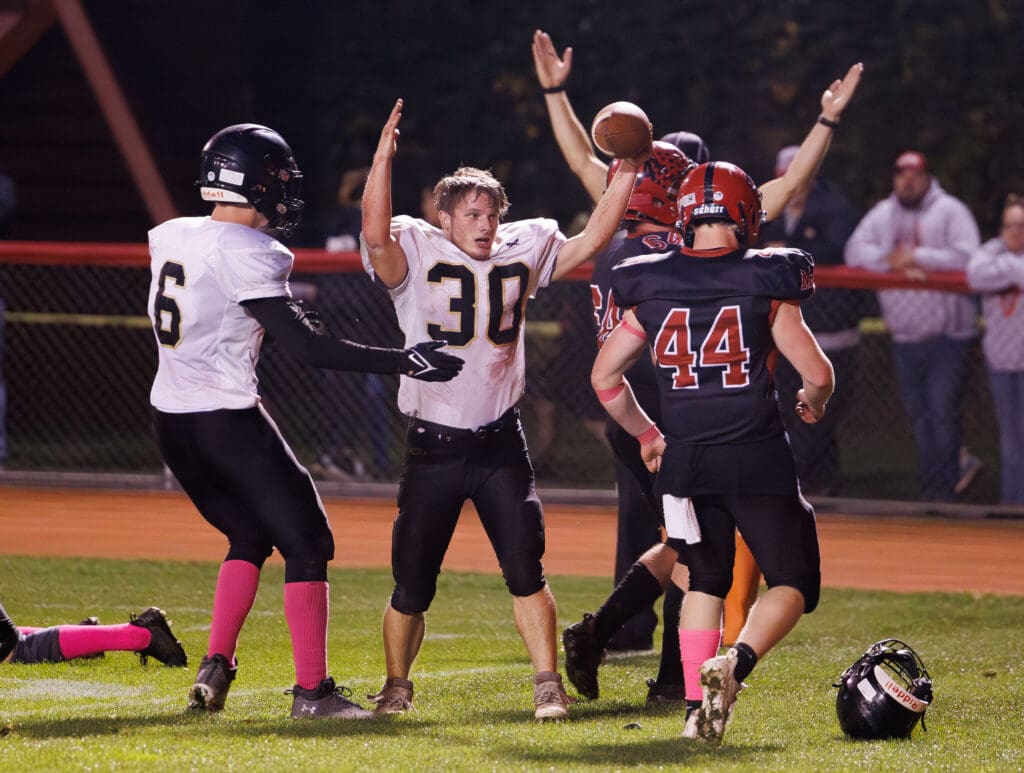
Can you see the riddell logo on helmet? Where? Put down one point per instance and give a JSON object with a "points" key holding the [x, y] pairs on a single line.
{"points": [[899, 694]]}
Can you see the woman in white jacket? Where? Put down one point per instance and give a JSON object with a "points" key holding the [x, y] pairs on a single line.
{"points": [[996, 269]]}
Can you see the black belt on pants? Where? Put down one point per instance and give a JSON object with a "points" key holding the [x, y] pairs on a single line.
{"points": [[425, 436]]}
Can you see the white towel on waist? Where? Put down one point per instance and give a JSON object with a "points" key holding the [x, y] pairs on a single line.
{"points": [[680, 519]]}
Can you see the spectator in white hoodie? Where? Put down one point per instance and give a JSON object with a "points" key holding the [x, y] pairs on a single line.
{"points": [[996, 269], [920, 227]]}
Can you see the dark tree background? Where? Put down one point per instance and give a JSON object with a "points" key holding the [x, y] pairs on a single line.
{"points": [[942, 77]]}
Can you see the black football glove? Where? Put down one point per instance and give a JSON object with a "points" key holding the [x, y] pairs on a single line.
{"points": [[425, 362]]}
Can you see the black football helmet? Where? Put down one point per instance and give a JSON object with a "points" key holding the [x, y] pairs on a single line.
{"points": [[252, 164], [691, 144], [884, 693]]}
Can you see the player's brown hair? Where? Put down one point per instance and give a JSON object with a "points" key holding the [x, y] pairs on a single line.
{"points": [[453, 188]]}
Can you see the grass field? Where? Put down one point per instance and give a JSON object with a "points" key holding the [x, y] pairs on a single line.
{"points": [[474, 709]]}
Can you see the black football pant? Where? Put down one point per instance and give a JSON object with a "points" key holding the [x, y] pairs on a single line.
{"points": [[779, 529], [444, 467], [244, 480]]}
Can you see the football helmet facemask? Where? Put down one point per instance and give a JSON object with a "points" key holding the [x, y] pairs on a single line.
{"points": [[885, 693], [656, 188], [720, 191], [252, 164]]}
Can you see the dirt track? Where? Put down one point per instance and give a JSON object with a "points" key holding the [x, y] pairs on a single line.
{"points": [[871, 552]]}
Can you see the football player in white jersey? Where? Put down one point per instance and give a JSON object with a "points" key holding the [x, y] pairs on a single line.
{"points": [[467, 283], [220, 282]]}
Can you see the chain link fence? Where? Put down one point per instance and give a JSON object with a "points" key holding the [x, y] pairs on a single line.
{"points": [[79, 358]]}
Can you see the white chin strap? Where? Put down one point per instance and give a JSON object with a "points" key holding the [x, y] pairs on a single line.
{"points": [[222, 196]]}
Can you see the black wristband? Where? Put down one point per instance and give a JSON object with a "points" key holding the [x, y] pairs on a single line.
{"points": [[826, 122], [554, 89]]}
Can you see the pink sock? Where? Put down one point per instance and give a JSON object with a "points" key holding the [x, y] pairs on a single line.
{"points": [[237, 582], [78, 640], [305, 608], [695, 647]]}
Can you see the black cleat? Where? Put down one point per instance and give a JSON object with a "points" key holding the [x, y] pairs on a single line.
{"points": [[664, 695], [163, 646], [583, 655], [212, 684], [326, 700]]}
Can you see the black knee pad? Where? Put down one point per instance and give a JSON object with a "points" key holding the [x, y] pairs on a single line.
{"points": [[42, 646], [811, 589], [711, 583], [810, 602], [413, 602], [524, 575], [305, 559], [305, 570], [253, 554]]}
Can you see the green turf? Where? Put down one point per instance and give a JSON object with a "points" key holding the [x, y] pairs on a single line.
{"points": [[473, 696]]}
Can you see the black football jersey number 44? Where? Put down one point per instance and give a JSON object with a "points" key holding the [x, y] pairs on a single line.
{"points": [[708, 321]]}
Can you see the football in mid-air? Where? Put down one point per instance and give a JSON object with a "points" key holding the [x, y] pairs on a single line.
{"points": [[622, 130]]}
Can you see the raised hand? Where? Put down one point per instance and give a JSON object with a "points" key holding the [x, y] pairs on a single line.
{"points": [[552, 69], [426, 362], [388, 145], [839, 93]]}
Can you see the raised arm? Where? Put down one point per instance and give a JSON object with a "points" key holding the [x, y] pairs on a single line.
{"points": [[572, 137], [777, 193], [386, 255], [604, 220], [797, 344]]}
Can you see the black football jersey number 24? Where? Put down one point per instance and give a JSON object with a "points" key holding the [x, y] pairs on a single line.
{"points": [[708, 321]]}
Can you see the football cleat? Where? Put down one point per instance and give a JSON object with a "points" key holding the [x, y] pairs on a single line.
{"points": [[212, 684], [395, 697], [583, 655], [325, 701], [549, 698], [163, 645]]}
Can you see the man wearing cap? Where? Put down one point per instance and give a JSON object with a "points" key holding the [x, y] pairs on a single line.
{"points": [[818, 220], [920, 227]]}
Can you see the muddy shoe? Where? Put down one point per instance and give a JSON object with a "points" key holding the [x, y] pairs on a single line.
{"points": [[395, 697], [549, 698], [212, 684], [708, 722]]}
